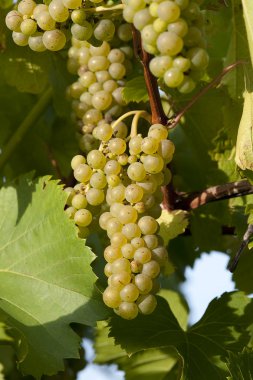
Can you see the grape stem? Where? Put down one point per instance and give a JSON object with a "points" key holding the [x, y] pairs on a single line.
{"points": [[245, 241], [26, 124], [134, 126], [143, 114]]}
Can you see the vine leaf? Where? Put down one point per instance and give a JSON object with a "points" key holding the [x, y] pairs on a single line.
{"points": [[244, 145], [240, 365], [46, 281], [222, 328], [135, 90], [248, 18]]}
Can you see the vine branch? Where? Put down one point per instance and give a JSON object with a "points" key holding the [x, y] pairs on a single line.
{"points": [[246, 238], [191, 201], [23, 128], [158, 115]]}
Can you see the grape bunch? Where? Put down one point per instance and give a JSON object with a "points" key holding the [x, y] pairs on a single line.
{"points": [[43, 26], [97, 94], [172, 31]]}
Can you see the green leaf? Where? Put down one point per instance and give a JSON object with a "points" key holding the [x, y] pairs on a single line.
{"points": [[222, 328], [43, 259], [240, 365], [148, 364], [135, 90], [244, 146], [172, 223], [248, 18]]}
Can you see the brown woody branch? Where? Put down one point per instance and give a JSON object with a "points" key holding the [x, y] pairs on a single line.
{"points": [[157, 112], [194, 200]]}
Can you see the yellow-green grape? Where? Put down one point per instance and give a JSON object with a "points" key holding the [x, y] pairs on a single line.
{"points": [[137, 242], [98, 180], [77, 160], [95, 196], [148, 225], [79, 201], [133, 193], [144, 283], [112, 253], [13, 20], [112, 167], [127, 251], [117, 146], [151, 269], [83, 218], [103, 219], [82, 173], [160, 255], [111, 297], [121, 265], [103, 132], [153, 163], [58, 11], [35, 42], [151, 241], [118, 239], [45, 21], [146, 303], [127, 310], [131, 230], [127, 214], [158, 131], [96, 159], [113, 226], [119, 280], [26, 7], [135, 145], [54, 39], [71, 193], [70, 211], [136, 171], [20, 39], [142, 255], [129, 293]]}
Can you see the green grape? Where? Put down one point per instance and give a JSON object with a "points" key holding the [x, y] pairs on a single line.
{"points": [[142, 255], [94, 88], [70, 211], [121, 265], [169, 43], [77, 160], [133, 193], [113, 226], [148, 200], [82, 173], [96, 159], [103, 219], [117, 70], [117, 146], [127, 310], [127, 214], [116, 55], [199, 58], [149, 145], [115, 208], [159, 25], [135, 266], [128, 14], [101, 100], [146, 304], [103, 49], [118, 193], [136, 4], [124, 32], [160, 255], [128, 50], [118, 239], [192, 11], [151, 241], [72, 4], [92, 116], [45, 21], [151, 49], [40, 8], [13, 20], [149, 35], [112, 253], [83, 55], [193, 37], [136, 171], [110, 85], [137, 242], [159, 65], [132, 159], [98, 180], [82, 32], [112, 167], [158, 131], [153, 163], [20, 39], [83, 217], [108, 269], [131, 230], [118, 97], [103, 132], [119, 280], [95, 196], [168, 11], [135, 145], [123, 159], [79, 201], [78, 16], [166, 150], [141, 18], [148, 225], [188, 85], [143, 283], [71, 192], [35, 42], [151, 269], [113, 180], [181, 63], [26, 7], [153, 9], [98, 63], [54, 39], [173, 77], [104, 30], [57, 10], [87, 78], [127, 251], [179, 27], [129, 293], [102, 76], [111, 297]]}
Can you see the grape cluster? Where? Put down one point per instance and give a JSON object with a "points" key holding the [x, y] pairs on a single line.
{"points": [[97, 94], [135, 172], [172, 31], [44, 26]]}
